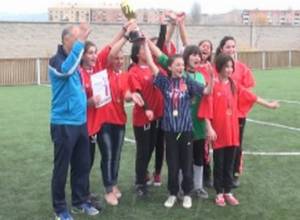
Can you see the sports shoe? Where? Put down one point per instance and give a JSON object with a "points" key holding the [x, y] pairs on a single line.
{"points": [[65, 215], [231, 199], [169, 203], [85, 208], [117, 192], [156, 180], [141, 190], [111, 199], [187, 202], [148, 179], [220, 201], [201, 193]]}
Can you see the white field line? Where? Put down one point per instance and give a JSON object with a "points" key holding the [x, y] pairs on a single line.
{"points": [[273, 125], [131, 141]]}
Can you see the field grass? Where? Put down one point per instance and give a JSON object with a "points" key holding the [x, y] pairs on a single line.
{"points": [[269, 187]]}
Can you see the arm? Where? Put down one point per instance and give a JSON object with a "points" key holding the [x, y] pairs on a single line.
{"points": [[162, 33], [182, 29], [266, 104], [121, 33], [210, 84], [210, 132], [149, 59]]}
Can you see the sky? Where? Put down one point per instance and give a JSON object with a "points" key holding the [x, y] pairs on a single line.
{"points": [[207, 6]]}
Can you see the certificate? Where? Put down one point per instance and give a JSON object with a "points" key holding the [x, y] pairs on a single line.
{"points": [[100, 87]]}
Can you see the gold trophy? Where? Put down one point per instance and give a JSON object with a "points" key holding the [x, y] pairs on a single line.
{"points": [[130, 14]]}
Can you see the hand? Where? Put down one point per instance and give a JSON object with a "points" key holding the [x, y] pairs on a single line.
{"points": [[96, 100], [137, 99], [274, 105], [211, 134], [84, 32], [180, 17], [149, 114], [171, 16], [131, 27]]}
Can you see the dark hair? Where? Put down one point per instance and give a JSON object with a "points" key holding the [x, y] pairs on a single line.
{"points": [[66, 31], [222, 43], [221, 61], [188, 51], [211, 48], [135, 49], [171, 61], [88, 45]]}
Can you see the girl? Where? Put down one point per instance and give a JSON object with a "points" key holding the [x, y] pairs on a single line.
{"points": [[201, 154], [244, 77], [108, 122], [178, 90], [145, 118], [222, 126]]}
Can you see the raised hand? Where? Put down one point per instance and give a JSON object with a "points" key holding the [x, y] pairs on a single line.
{"points": [[84, 32]]}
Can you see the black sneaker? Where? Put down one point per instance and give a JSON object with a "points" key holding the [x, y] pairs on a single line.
{"points": [[208, 183], [141, 190]]}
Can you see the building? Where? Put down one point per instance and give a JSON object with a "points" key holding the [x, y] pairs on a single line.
{"points": [[271, 17], [104, 13]]}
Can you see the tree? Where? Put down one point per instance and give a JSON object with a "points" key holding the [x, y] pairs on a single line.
{"points": [[196, 13]]}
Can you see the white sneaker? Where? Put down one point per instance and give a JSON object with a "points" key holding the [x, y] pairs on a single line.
{"points": [[169, 203], [187, 202]]}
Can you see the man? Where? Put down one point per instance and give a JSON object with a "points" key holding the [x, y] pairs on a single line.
{"points": [[68, 125]]}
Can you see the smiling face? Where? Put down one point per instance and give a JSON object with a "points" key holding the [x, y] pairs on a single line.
{"points": [[229, 48], [177, 67], [227, 69], [118, 61], [89, 57], [205, 50], [194, 60]]}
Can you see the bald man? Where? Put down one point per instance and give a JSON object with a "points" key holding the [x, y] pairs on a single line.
{"points": [[68, 125]]}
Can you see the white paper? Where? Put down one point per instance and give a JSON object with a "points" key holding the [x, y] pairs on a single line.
{"points": [[100, 87]]}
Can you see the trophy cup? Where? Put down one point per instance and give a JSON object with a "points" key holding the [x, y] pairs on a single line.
{"points": [[130, 14]]}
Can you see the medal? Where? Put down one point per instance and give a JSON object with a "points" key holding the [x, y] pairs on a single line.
{"points": [[175, 113]]}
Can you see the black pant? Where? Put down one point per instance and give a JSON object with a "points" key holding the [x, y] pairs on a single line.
{"points": [[159, 150], [239, 150], [179, 154], [110, 140], [223, 167], [145, 137], [71, 145], [199, 151]]}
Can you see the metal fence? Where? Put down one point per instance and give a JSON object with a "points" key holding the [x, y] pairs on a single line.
{"points": [[29, 71]]}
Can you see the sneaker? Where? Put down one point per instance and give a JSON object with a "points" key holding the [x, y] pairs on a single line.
{"points": [[117, 192], [220, 201], [156, 180], [187, 202], [148, 180], [208, 183], [201, 193], [231, 199], [111, 199], [141, 190], [65, 215], [235, 182], [85, 208], [169, 203]]}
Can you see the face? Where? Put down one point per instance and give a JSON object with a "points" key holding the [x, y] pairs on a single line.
{"points": [[177, 67], [118, 61], [194, 60], [89, 57], [142, 55], [227, 70], [205, 49], [229, 48], [70, 38]]}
